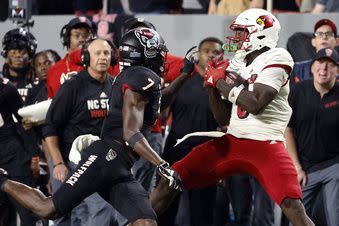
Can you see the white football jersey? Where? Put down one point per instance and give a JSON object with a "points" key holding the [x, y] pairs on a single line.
{"points": [[271, 68]]}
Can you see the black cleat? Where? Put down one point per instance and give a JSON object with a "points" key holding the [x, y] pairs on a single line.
{"points": [[3, 177]]}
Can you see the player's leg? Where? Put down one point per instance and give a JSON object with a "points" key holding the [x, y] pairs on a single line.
{"points": [[295, 212], [28, 197], [132, 201], [271, 165], [196, 170], [85, 180], [162, 196]]}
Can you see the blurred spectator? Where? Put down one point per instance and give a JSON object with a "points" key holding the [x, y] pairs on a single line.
{"points": [[312, 137], [143, 6], [228, 7], [59, 7], [3, 10], [279, 6], [53, 56], [324, 36], [326, 6], [110, 26], [87, 7], [195, 6], [307, 5]]}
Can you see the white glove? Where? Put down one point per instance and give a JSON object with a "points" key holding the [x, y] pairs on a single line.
{"points": [[173, 178], [79, 144]]}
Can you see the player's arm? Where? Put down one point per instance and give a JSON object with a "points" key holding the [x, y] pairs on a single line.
{"points": [[254, 101], [133, 118], [220, 108], [169, 92]]}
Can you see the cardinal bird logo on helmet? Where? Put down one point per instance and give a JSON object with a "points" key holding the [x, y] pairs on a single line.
{"points": [[265, 21], [150, 40]]}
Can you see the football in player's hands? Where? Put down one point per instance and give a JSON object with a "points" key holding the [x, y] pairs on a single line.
{"points": [[234, 79]]}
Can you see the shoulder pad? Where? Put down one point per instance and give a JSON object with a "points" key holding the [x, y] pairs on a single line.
{"points": [[280, 55], [141, 79]]}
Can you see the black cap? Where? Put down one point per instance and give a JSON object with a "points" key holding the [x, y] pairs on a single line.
{"points": [[79, 21], [328, 53], [325, 22]]}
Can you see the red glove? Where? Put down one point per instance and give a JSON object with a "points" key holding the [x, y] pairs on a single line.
{"points": [[215, 71]]}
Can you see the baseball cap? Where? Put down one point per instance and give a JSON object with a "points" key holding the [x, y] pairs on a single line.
{"points": [[78, 21], [327, 53], [326, 22]]}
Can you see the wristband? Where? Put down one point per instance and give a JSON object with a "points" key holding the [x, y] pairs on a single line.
{"points": [[59, 163], [234, 93], [134, 139]]}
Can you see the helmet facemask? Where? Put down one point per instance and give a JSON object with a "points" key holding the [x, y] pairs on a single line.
{"points": [[240, 40], [254, 29]]}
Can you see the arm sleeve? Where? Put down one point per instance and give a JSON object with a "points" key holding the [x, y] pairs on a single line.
{"points": [[173, 66], [60, 110]]}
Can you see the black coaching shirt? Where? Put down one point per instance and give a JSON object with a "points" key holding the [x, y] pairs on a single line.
{"points": [[315, 122], [37, 93], [79, 107], [138, 79], [10, 103], [191, 113]]}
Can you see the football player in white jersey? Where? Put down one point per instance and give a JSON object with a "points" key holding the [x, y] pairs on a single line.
{"points": [[257, 94]]}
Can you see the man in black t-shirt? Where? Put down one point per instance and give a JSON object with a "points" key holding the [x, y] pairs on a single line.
{"points": [[79, 107], [105, 165], [312, 138]]}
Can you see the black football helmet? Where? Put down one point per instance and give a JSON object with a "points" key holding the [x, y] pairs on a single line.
{"points": [[19, 38], [144, 47]]}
